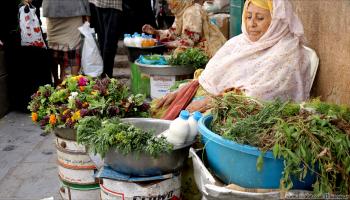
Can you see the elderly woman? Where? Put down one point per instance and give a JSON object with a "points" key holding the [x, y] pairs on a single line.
{"points": [[266, 61], [191, 28]]}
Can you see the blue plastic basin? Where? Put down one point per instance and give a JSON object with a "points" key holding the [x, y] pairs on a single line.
{"points": [[236, 163]]}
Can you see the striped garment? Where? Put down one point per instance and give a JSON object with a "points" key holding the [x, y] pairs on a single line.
{"points": [[116, 4], [66, 58]]}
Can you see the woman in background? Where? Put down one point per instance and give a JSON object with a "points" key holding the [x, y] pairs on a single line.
{"points": [[191, 28], [64, 17]]}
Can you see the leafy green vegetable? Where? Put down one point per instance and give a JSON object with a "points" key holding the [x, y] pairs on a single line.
{"points": [[311, 138], [152, 57], [190, 57], [101, 135]]}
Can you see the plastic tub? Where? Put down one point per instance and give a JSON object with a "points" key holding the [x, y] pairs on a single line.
{"points": [[235, 163]]}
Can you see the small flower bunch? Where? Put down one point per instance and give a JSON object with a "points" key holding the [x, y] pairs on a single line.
{"points": [[80, 96]]}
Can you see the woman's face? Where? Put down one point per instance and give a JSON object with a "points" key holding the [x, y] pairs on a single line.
{"points": [[257, 21]]}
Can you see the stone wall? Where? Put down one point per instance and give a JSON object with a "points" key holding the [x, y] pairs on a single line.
{"points": [[327, 29]]}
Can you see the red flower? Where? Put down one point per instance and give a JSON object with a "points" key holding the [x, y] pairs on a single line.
{"points": [[37, 29], [82, 81]]}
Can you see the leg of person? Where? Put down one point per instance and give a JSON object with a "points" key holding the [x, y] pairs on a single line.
{"points": [[74, 61], [63, 64], [93, 17], [54, 66], [112, 24], [99, 27]]}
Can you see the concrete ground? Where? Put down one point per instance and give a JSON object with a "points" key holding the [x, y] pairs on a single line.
{"points": [[28, 168]]}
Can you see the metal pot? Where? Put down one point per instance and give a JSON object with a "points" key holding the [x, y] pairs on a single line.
{"points": [[66, 133], [143, 164], [165, 70]]}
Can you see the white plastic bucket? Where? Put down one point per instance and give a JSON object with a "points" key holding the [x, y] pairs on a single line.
{"points": [[83, 177], [163, 189], [77, 192], [78, 161], [70, 145]]}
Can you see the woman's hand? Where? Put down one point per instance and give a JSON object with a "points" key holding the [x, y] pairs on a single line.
{"points": [[149, 29], [167, 99], [199, 105]]}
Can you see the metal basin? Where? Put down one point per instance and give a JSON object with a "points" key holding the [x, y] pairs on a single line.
{"points": [[66, 133], [165, 70], [145, 165]]}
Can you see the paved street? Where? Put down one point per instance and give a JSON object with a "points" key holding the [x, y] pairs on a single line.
{"points": [[27, 160]]}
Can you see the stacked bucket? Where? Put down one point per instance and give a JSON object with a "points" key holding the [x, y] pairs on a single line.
{"points": [[138, 175], [120, 186], [75, 168]]}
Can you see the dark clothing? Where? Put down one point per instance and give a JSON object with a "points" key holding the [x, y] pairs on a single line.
{"points": [[108, 29], [27, 67], [164, 16], [137, 13], [8, 20], [37, 4]]}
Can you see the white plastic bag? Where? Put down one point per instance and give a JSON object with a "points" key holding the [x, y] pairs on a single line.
{"points": [[91, 60], [30, 27]]}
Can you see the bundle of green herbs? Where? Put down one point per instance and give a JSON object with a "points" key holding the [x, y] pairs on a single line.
{"points": [[310, 137], [102, 135], [190, 57]]}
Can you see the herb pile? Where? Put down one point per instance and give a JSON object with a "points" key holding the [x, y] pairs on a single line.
{"points": [[190, 57], [80, 96], [311, 137], [101, 135]]}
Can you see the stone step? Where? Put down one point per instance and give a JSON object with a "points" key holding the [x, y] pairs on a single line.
{"points": [[121, 61], [121, 73], [122, 50], [125, 81]]}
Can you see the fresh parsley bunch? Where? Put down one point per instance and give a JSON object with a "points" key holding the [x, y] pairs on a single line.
{"points": [[190, 57]]}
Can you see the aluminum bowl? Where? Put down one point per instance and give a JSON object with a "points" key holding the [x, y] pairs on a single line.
{"points": [[145, 165], [66, 133], [165, 70]]}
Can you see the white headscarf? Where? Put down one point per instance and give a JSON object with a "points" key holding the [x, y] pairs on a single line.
{"points": [[275, 66]]}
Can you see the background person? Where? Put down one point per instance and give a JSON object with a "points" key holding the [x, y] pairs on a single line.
{"points": [[108, 26], [63, 18], [191, 28]]}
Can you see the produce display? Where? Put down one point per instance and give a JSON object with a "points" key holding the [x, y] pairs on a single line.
{"points": [[311, 137], [100, 135], [190, 57], [80, 96]]}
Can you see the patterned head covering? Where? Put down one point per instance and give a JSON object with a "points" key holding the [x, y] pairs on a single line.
{"points": [[180, 6], [275, 66]]}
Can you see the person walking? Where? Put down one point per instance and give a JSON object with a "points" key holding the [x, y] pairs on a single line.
{"points": [[64, 17], [108, 26]]}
